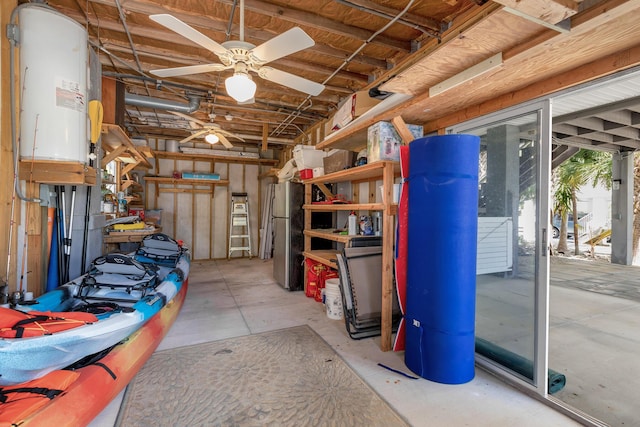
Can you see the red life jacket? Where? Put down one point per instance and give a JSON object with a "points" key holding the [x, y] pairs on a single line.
{"points": [[18, 324], [20, 400]]}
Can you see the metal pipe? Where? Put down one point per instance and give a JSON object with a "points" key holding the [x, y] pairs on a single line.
{"points": [[162, 104], [292, 116]]}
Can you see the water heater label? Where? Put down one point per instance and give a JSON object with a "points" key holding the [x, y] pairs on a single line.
{"points": [[69, 95]]}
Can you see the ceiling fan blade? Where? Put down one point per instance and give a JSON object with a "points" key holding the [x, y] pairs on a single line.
{"points": [[225, 141], [188, 32], [289, 42], [291, 80], [191, 69], [194, 135], [232, 135], [188, 118]]}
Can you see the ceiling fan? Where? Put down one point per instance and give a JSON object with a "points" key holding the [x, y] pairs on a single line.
{"points": [[211, 132], [243, 58]]}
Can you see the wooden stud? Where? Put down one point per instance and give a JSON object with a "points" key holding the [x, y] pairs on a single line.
{"points": [[265, 134], [387, 261], [307, 238]]}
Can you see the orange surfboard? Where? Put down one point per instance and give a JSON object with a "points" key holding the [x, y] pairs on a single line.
{"points": [[402, 246]]}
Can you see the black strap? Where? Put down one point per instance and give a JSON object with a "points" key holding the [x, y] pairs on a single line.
{"points": [[19, 324], [106, 368], [46, 392]]}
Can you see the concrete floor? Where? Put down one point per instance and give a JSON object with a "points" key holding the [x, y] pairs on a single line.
{"points": [[239, 297], [594, 339]]}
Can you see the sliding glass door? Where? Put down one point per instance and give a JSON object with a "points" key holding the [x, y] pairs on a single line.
{"points": [[512, 270]]}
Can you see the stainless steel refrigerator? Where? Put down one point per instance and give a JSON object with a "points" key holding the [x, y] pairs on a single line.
{"points": [[288, 240]]}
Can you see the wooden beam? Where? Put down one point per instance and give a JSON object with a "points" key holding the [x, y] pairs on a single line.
{"points": [[312, 20], [420, 21], [402, 129], [325, 190], [462, 24], [112, 155], [550, 12], [607, 65], [206, 23], [265, 136]]}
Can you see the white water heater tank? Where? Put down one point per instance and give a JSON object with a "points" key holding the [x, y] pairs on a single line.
{"points": [[53, 86]]}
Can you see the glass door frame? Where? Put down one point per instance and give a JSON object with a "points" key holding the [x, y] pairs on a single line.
{"points": [[542, 108]]}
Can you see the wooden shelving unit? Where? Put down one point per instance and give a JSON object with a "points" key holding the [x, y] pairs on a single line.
{"points": [[213, 158], [118, 148], [179, 185], [386, 171]]}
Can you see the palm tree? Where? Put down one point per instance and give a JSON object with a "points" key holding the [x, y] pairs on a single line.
{"points": [[561, 206], [636, 210], [585, 166]]}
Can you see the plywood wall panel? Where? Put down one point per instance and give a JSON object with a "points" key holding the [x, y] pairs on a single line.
{"points": [[202, 226], [201, 219], [184, 219], [221, 213]]}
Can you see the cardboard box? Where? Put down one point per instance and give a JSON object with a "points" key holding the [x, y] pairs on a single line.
{"points": [[354, 106], [383, 142], [307, 157], [338, 160], [154, 216]]}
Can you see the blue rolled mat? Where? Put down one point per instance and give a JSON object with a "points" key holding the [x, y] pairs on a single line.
{"points": [[441, 272]]}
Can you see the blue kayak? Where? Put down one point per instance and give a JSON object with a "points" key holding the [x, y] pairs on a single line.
{"points": [[120, 292]]}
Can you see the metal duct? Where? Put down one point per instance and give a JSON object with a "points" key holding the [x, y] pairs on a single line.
{"points": [[162, 104]]}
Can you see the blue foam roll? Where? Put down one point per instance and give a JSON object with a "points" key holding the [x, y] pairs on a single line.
{"points": [[442, 243]]}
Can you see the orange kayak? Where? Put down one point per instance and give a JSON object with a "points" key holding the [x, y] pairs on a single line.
{"points": [[74, 398]]}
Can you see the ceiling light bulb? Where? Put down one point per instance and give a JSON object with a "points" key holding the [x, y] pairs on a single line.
{"points": [[229, 117], [240, 87], [211, 138]]}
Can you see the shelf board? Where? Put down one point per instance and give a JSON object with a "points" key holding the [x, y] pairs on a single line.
{"points": [[354, 136], [359, 173], [329, 234], [56, 172], [213, 157], [326, 257], [344, 207], [180, 181], [127, 236]]}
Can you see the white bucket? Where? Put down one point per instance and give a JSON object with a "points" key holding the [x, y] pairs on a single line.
{"points": [[333, 299]]}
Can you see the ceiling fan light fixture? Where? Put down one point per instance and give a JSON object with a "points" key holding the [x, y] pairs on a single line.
{"points": [[240, 86], [212, 138]]}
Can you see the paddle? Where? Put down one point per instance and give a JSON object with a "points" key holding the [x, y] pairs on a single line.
{"points": [[96, 113]]}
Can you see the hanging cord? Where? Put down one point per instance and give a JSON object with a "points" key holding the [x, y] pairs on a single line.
{"points": [[292, 117]]}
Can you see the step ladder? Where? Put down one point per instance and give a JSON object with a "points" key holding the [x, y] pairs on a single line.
{"points": [[239, 229]]}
